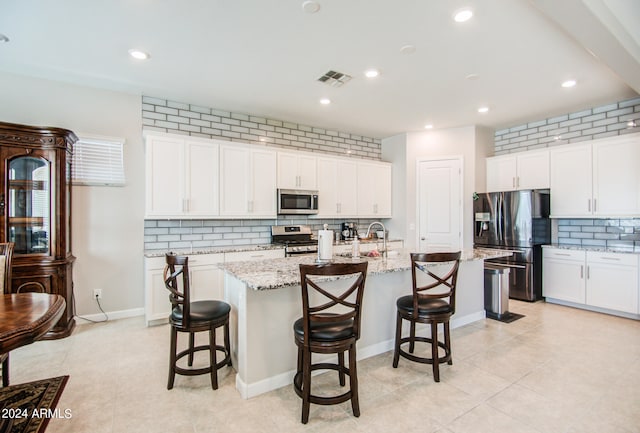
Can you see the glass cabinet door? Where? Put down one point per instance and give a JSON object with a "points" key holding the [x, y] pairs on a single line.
{"points": [[28, 201]]}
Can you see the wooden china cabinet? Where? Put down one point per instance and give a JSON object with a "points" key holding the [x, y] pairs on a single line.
{"points": [[35, 212]]}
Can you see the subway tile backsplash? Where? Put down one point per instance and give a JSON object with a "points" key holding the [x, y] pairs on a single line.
{"points": [[598, 122], [179, 118], [618, 234], [203, 234]]}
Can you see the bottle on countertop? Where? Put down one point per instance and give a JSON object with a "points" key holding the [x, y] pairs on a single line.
{"points": [[356, 248]]}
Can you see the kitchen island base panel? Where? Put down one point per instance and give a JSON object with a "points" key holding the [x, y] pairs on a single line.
{"points": [[262, 343]]}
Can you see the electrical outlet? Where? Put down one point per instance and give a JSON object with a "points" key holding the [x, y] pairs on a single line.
{"points": [[97, 293]]}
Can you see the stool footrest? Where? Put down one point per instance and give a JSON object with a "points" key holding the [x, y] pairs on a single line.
{"points": [[203, 370], [297, 385], [423, 359]]}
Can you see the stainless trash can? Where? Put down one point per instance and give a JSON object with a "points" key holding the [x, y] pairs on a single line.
{"points": [[496, 291]]}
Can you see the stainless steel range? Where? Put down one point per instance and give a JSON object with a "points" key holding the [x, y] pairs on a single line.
{"points": [[296, 239]]}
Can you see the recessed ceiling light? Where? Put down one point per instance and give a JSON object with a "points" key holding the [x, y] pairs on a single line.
{"points": [[3, 38], [569, 83], [429, 126], [310, 7], [483, 109], [371, 73], [408, 49], [325, 101], [462, 15], [138, 54]]}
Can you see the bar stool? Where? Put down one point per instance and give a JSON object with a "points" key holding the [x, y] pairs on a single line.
{"points": [[431, 303], [330, 324], [192, 317]]}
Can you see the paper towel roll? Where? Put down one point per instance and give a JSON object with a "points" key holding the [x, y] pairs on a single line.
{"points": [[325, 244]]}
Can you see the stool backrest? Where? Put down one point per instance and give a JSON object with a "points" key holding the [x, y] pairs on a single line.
{"points": [[6, 255], [334, 307], [439, 286], [176, 280]]}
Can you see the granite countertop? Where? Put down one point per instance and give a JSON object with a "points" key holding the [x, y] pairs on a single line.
{"points": [[630, 250], [214, 250], [278, 273]]}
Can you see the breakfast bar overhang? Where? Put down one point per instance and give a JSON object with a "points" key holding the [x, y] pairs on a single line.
{"points": [[265, 301]]}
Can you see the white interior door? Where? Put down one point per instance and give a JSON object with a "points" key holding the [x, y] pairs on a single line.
{"points": [[439, 205]]}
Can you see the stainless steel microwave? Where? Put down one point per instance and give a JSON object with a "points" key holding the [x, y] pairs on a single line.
{"points": [[297, 202]]}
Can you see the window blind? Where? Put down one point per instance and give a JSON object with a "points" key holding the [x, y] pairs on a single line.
{"points": [[98, 161]]}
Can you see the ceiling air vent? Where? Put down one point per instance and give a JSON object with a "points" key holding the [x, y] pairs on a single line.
{"points": [[335, 79]]}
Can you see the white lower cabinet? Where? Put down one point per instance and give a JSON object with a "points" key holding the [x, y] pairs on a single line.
{"points": [[612, 281], [563, 275], [602, 280], [206, 281], [206, 278]]}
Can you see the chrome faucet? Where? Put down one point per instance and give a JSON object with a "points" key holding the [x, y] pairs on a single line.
{"points": [[384, 236]]}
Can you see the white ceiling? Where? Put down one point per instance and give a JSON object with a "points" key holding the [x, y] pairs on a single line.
{"points": [[263, 57]]}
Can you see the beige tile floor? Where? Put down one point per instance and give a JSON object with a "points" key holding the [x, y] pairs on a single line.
{"points": [[556, 370]]}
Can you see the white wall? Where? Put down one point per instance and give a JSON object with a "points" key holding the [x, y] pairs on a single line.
{"points": [[394, 151], [107, 222], [472, 143]]}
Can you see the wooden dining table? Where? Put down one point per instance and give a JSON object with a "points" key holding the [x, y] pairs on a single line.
{"points": [[26, 317]]}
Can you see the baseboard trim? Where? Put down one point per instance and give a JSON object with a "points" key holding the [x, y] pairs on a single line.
{"points": [[594, 309], [249, 390], [113, 315]]}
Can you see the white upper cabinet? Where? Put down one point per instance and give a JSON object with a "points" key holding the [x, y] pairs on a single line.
{"points": [[571, 180], [616, 176], [181, 177], [524, 170], [374, 190], [597, 179], [248, 182], [198, 178], [337, 188], [296, 171]]}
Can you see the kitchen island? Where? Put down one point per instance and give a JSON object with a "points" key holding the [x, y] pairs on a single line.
{"points": [[265, 298]]}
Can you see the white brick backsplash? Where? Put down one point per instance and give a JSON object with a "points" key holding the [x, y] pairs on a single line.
{"points": [[191, 128], [580, 114], [239, 116], [154, 101], [178, 105], [210, 118], [167, 110], [201, 110]]}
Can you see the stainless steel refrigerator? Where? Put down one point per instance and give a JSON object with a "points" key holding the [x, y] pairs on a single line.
{"points": [[518, 221]]}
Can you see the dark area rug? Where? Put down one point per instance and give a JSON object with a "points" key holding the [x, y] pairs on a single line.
{"points": [[28, 407]]}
